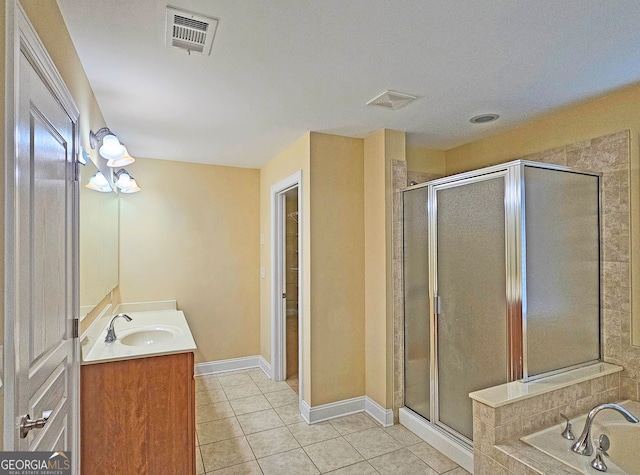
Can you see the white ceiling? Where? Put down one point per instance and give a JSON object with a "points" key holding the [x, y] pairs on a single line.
{"points": [[282, 67]]}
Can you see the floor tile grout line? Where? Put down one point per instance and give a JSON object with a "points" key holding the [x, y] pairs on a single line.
{"points": [[309, 457], [285, 425]]}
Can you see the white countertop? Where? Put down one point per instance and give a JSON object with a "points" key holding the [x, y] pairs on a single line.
{"points": [[95, 350], [517, 390]]}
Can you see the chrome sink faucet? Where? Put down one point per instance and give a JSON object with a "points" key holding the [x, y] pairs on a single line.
{"points": [[583, 445], [111, 333]]}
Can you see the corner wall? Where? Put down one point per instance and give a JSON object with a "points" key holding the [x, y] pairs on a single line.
{"points": [[424, 164], [291, 160], [337, 262], [380, 149]]}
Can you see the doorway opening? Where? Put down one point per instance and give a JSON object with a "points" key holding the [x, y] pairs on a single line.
{"points": [[291, 288], [286, 282]]}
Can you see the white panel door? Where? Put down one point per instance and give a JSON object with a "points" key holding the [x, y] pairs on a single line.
{"points": [[41, 259]]}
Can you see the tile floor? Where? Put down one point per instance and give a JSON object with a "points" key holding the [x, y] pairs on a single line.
{"points": [[247, 424]]}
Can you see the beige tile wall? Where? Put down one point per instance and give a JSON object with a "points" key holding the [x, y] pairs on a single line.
{"points": [[504, 425], [399, 181]]}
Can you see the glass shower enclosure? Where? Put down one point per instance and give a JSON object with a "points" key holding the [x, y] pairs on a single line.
{"points": [[501, 282]]}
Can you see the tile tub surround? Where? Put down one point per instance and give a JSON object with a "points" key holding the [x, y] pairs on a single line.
{"points": [[497, 449], [399, 182], [246, 424]]}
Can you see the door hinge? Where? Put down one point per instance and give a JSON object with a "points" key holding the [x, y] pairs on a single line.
{"points": [[75, 328], [436, 304], [76, 171]]}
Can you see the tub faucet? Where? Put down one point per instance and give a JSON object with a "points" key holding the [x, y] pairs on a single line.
{"points": [[111, 332], [583, 445]]}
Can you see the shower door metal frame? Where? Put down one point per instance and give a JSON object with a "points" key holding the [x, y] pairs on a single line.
{"points": [[432, 207], [515, 260], [522, 257]]}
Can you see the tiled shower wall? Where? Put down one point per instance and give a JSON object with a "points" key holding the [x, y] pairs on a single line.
{"points": [[399, 181], [608, 155]]}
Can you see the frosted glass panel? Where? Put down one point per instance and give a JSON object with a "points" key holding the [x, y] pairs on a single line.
{"points": [[416, 302], [562, 275], [472, 325]]}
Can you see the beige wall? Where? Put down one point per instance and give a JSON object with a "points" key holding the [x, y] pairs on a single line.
{"points": [[192, 235], [291, 160], [333, 258], [337, 263], [425, 160], [375, 266], [380, 149], [612, 113]]}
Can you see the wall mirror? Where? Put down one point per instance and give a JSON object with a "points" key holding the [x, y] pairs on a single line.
{"points": [[99, 221]]}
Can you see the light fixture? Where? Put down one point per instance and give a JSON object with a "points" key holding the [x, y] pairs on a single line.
{"points": [[123, 161], [111, 147], [98, 182], [125, 182], [484, 118], [134, 188]]}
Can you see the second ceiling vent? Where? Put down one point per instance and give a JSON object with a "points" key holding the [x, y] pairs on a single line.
{"points": [[391, 100], [190, 32]]}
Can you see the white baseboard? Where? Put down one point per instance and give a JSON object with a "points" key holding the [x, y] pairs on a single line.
{"points": [[234, 364], [265, 366], [442, 441], [346, 407], [379, 413]]}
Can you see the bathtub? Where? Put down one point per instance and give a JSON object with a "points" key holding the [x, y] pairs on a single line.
{"points": [[624, 454]]}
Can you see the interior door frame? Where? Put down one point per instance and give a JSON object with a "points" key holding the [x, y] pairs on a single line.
{"points": [[22, 37], [278, 243]]}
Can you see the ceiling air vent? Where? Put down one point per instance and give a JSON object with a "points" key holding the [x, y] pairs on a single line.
{"points": [[190, 32], [392, 100]]}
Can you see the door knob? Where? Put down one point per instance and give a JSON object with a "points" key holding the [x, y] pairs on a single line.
{"points": [[26, 424]]}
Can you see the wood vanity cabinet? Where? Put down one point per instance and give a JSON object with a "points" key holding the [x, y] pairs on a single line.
{"points": [[138, 416]]}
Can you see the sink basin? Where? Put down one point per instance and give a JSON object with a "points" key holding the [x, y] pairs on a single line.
{"points": [[149, 333], [148, 336]]}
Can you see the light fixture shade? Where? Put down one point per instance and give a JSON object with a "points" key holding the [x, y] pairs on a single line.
{"points": [[98, 182], [133, 188], [111, 148], [125, 160], [124, 181]]}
